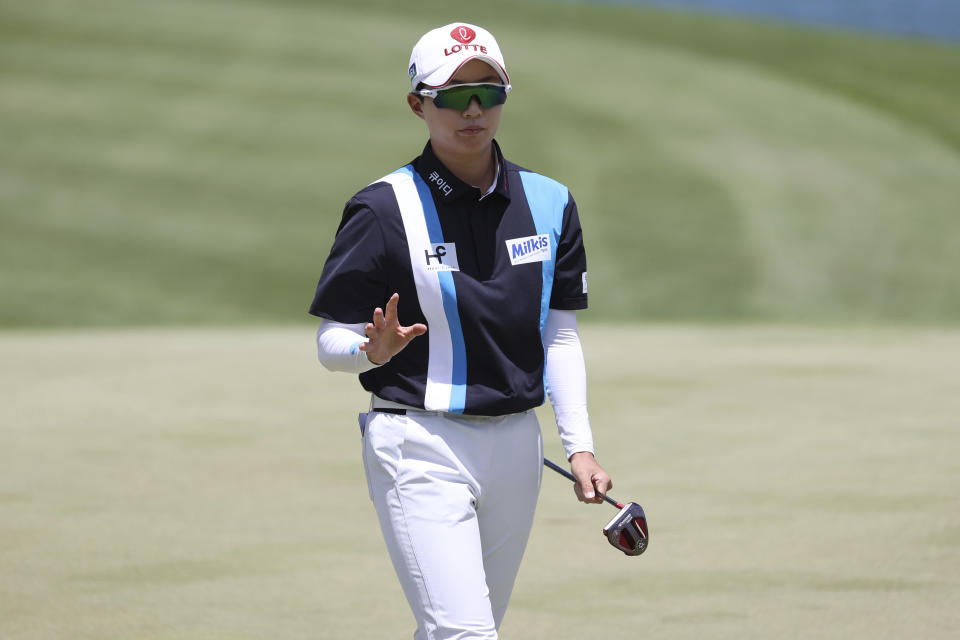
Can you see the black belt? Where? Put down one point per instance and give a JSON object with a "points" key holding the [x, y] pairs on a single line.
{"points": [[399, 412]]}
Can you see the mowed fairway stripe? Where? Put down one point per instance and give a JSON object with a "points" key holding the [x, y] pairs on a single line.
{"points": [[188, 162], [207, 484]]}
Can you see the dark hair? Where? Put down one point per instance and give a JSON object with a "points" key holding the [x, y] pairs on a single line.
{"points": [[420, 85]]}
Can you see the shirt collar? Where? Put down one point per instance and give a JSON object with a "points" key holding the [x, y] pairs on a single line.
{"points": [[496, 180], [449, 187]]}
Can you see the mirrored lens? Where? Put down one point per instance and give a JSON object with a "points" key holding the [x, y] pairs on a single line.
{"points": [[459, 97]]}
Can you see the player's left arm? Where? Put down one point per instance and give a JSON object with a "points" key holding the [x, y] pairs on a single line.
{"points": [[566, 375], [566, 380]]}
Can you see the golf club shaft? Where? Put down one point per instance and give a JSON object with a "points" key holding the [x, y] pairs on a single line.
{"points": [[566, 474]]}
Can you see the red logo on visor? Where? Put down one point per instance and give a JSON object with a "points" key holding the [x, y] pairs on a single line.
{"points": [[463, 34]]}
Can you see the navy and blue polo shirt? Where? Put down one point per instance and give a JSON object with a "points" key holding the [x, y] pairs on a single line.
{"points": [[479, 271]]}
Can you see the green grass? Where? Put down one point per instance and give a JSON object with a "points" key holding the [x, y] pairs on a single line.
{"points": [[186, 163], [198, 484]]}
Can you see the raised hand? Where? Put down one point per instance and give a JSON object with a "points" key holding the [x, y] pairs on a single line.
{"points": [[386, 337]]}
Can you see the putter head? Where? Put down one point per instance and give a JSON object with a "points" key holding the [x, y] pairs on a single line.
{"points": [[628, 530]]}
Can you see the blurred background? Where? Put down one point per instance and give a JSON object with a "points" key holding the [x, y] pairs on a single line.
{"points": [[769, 194], [187, 162]]}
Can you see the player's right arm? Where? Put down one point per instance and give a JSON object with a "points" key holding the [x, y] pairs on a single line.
{"points": [[359, 347], [357, 334], [338, 347]]}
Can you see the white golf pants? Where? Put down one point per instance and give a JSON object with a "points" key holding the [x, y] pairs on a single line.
{"points": [[455, 496]]}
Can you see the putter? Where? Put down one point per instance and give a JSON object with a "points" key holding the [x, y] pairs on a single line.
{"points": [[628, 530]]}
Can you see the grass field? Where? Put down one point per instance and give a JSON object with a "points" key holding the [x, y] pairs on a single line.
{"points": [[200, 484], [186, 162], [174, 464]]}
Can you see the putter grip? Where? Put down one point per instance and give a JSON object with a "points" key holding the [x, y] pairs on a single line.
{"points": [[569, 476]]}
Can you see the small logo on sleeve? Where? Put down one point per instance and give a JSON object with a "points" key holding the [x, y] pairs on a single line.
{"points": [[584, 281], [529, 249], [442, 257]]}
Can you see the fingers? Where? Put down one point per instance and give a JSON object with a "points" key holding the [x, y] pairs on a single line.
{"points": [[392, 307], [601, 485], [415, 330], [386, 336], [588, 489], [378, 318], [387, 319], [585, 490], [601, 482], [592, 481]]}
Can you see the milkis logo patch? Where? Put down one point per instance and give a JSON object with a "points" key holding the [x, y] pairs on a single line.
{"points": [[442, 257], [529, 249], [463, 34]]}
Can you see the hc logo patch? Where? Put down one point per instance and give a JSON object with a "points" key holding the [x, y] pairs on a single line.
{"points": [[442, 257]]}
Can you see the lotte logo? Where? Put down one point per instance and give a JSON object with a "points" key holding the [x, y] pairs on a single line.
{"points": [[463, 34]]}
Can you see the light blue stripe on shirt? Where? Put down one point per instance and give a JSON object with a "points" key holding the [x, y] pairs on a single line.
{"points": [[547, 200]]}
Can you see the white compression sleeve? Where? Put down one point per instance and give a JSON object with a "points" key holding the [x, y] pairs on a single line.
{"points": [[566, 377], [338, 347]]}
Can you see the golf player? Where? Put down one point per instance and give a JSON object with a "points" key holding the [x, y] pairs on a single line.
{"points": [[451, 289]]}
